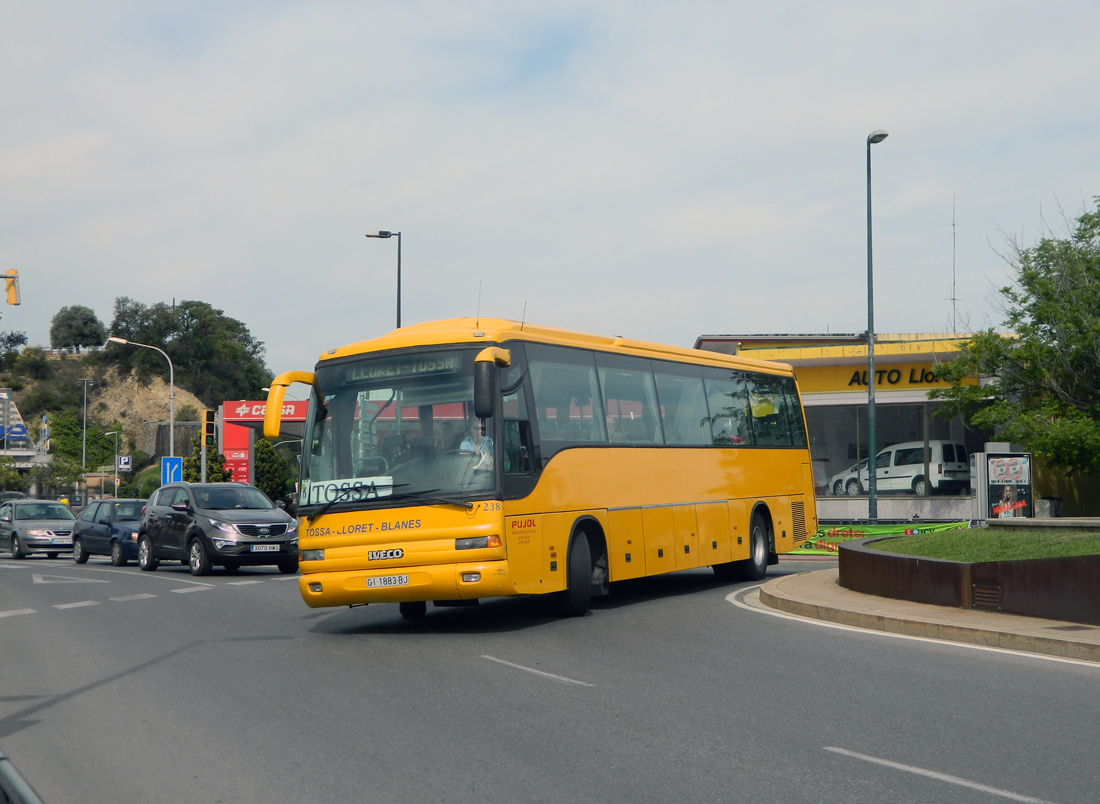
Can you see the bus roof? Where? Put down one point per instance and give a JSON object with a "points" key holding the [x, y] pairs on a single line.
{"points": [[498, 330]]}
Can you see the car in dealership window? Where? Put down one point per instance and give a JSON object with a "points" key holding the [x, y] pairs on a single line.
{"points": [[36, 526], [108, 528], [847, 482], [225, 524]]}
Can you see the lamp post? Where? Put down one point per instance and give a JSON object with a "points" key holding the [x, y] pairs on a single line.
{"points": [[872, 469], [84, 444], [171, 391], [385, 235], [115, 434]]}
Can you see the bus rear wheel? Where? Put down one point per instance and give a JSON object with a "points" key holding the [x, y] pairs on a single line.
{"points": [[574, 600], [755, 566]]}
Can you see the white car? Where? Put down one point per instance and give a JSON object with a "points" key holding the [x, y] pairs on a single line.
{"points": [[847, 482]]}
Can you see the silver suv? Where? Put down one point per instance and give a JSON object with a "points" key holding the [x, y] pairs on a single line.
{"points": [[36, 526], [228, 524]]}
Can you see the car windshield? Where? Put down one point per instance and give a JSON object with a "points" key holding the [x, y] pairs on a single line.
{"points": [[226, 498], [44, 510], [127, 512], [393, 427]]}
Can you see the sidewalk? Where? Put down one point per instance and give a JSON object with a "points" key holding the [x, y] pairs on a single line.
{"points": [[817, 595]]}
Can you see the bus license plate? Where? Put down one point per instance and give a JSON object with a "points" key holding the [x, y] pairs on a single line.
{"points": [[265, 548], [387, 580]]}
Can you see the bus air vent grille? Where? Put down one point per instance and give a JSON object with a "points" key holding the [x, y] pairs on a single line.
{"points": [[798, 515]]}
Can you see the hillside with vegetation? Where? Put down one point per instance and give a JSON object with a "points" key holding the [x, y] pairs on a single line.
{"points": [[85, 389]]}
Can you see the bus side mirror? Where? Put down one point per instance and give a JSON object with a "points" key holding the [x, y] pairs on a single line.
{"points": [[484, 374]]}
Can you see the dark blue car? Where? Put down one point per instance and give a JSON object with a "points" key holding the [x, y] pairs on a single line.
{"points": [[108, 528]]}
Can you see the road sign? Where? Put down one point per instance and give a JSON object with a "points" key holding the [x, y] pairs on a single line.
{"points": [[123, 463], [171, 470]]}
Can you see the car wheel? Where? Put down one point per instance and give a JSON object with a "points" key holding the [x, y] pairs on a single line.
{"points": [[853, 488], [147, 556], [17, 549], [288, 567], [117, 559], [920, 486], [80, 555], [838, 489], [197, 558]]}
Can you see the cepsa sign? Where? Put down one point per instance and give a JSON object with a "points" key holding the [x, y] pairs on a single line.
{"points": [[245, 411]]}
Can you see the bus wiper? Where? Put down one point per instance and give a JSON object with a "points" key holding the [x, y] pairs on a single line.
{"points": [[427, 496], [343, 494]]}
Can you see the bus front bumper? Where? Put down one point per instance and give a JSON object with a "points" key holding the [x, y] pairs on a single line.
{"points": [[406, 584]]}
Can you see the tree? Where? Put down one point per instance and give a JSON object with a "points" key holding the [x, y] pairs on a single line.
{"points": [[216, 470], [76, 327], [271, 471], [11, 479], [1041, 383], [214, 356], [60, 472]]}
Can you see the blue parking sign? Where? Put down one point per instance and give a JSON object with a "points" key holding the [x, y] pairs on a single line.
{"points": [[171, 470], [123, 463]]}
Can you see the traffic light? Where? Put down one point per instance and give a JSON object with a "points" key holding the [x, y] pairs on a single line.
{"points": [[209, 434], [11, 279]]}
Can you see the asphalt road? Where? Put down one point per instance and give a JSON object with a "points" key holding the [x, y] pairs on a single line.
{"points": [[123, 686]]}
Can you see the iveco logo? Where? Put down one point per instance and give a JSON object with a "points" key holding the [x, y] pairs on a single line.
{"points": [[383, 555]]}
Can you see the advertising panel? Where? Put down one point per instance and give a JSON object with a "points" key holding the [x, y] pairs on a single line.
{"points": [[1008, 485]]}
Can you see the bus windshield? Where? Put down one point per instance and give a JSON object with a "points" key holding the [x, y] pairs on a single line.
{"points": [[396, 429]]}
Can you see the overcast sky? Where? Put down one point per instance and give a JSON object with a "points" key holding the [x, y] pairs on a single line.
{"points": [[656, 170]]}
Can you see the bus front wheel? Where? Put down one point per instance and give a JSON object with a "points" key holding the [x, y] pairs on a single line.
{"points": [[574, 600]]}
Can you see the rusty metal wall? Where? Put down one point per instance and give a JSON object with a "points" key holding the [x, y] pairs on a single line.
{"points": [[1054, 588]]}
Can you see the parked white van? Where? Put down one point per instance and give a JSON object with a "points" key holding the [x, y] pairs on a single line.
{"points": [[900, 468]]}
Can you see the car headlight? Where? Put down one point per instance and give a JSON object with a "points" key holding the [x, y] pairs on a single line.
{"points": [[224, 544], [225, 527], [38, 532], [292, 527]]}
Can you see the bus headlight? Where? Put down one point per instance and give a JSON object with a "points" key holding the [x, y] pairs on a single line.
{"points": [[312, 555], [477, 543]]}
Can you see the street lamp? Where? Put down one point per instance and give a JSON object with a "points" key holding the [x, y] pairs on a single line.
{"points": [[171, 391], [84, 441], [385, 235], [115, 434], [872, 469]]}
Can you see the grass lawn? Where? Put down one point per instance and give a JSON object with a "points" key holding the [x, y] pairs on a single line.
{"points": [[991, 544]]}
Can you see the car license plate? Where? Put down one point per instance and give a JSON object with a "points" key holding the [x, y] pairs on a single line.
{"points": [[387, 580], [60, 540], [265, 548]]}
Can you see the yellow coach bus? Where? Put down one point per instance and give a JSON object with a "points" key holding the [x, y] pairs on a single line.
{"points": [[462, 459]]}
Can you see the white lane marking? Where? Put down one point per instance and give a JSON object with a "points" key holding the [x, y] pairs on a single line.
{"points": [[131, 597], [285, 578], [754, 594], [76, 605], [537, 672], [15, 612], [38, 578], [241, 583], [942, 777], [187, 589]]}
